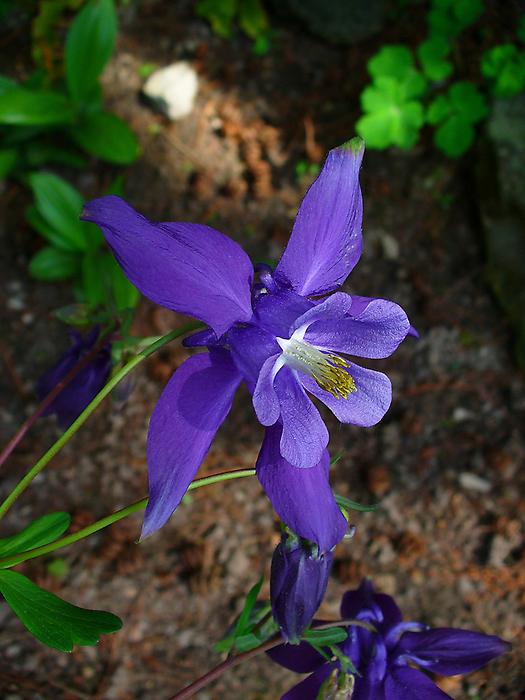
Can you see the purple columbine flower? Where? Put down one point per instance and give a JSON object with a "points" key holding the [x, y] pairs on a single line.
{"points": [[74, 398], [390, 661], [299, 576], [283, 336]]}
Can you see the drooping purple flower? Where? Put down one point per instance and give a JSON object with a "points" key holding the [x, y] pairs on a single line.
{"points": [[391, 661], [277, 335], [83, 388], [299, 576]]}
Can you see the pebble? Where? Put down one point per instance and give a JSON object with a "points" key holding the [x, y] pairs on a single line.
{"points": [[473, 482], [173, 89]]}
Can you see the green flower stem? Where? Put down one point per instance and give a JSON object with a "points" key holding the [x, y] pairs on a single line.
{"points": [[115, 517], [107, 389]]}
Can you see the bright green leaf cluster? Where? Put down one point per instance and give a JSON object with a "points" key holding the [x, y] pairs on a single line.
{"points": [[432, 54], [393, 113], [455, 114], [504, 66], [75, 249]]}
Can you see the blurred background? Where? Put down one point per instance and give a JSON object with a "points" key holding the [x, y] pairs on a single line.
{"points": [[221, 112]]}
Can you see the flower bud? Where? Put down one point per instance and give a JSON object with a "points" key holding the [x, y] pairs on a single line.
{"points": [[299, 577]]}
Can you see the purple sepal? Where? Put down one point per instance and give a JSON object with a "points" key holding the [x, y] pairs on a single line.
{"points": [[191, 408], [189, 268]]}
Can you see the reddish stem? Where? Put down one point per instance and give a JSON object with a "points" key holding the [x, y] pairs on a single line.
{"points": [[232, 661], [62, 384]]}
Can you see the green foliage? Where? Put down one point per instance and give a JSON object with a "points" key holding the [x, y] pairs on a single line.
{"points": [[432, 54], [254, 625], [22, 107], [76, 248], [107, 137], [249, 14], [448, 18], [324, 638], [50, 619], [455, 114], [347, 504], [504, 66], [41, 531], [89, 45], [393, 114]]}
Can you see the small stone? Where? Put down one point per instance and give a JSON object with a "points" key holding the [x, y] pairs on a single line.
{"points": [[173, 89], [461, 414], [473, 482]]}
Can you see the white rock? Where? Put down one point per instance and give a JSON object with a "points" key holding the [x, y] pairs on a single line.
{"points": [[173, 89], [473, 482]]}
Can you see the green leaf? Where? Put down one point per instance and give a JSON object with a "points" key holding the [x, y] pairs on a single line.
{"points": [[252, 18], [37, 154], [324, 638], [454, 136], [244, 617], [95, 284], [53, 264], [41, 531], [8, 161], [219, 14], [392, 61], [467, 11], [89, 45], [438, 110], [353, 505], [467, 101], [125, 295], [432, 54], [504, 66], [50, 619], [107, 137], [60, 206], [20, 107], [392, 120], [6, 83], [521, 29]]}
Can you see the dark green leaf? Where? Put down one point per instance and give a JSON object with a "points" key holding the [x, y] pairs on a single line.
{"points": [[125, 295], [219, 14], [8, 161], [74, 314], [432, 54], [244, 617], [37, 154], [353, 505], [252, 18], [60, 205], [504, 66], [54, 264], [107, 137], [89, 45], [454, 136], [467, 11], [95, 282], [51, 620], [468, 101], [6, 83], [324, 638], [20, 107], [438, 110], [41, 531]]}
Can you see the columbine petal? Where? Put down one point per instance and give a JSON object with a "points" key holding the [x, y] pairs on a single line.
{"points": [[409, 684], [326, 240], [310, 687], [333, 309], [304, 435], [450, 651], [193, 405], [265, 400], [189, 268], [301, 658], [365, 406], [302, 498], [375, 333]]}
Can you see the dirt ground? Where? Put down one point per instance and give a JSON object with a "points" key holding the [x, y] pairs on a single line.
{"points": [[445, 463]]}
